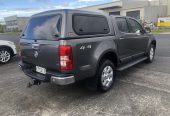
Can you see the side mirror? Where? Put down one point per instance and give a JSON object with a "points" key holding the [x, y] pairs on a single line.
{"points": [[147, 29], [138, 32]]}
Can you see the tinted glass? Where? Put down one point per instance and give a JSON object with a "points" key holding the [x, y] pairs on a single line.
{"points": [[122, 25], [114, 13], [90, 25], [44, 27], [135, 26]]}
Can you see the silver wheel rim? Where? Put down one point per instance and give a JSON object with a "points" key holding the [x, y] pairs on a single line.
{"points": [[4, 56], [107, 76], [151, 53]]}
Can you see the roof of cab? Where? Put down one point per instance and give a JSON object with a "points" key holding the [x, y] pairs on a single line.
{"points": [[67, 11]]}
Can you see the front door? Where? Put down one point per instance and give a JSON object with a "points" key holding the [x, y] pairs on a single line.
{"points": [[125, 48], [139, 36], [131, 43]]}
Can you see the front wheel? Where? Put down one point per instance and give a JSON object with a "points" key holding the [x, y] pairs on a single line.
{"points": [[106, 76], [151, 54], [5, 55]]}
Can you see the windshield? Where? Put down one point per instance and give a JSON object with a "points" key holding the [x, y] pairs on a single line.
{"points": [[44, 27]]}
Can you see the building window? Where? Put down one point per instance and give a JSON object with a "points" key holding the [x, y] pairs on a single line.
{"points": [[11, 23], [134, 14], [114, 13]]}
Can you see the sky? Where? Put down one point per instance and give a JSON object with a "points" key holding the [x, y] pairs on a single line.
{"points": [[30, 7]]}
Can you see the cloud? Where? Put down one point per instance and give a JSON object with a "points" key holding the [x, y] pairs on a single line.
{"points": [[30, 11], [19, 12], [40, 1], [89, 0], [47, 5], [2, 2]]}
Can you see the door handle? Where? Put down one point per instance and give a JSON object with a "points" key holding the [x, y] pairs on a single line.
{"points": [[121, 38], [35, 46], [24, 43]]}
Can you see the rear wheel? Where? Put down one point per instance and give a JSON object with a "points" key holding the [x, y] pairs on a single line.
{"points": [[151, 54], [5, 55], [106, 76]]}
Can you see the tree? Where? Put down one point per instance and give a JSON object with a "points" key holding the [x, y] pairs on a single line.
{"points": [[2, 28]]}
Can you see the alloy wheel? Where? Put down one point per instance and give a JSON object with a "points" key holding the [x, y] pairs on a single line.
{"points": [[151, 55], [107, 76], [4, 56]]}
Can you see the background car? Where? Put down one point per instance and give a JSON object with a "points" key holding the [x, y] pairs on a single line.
{"points": [[7, 51]]}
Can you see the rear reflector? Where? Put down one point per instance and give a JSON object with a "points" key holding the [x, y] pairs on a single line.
{"points": [[66, 58]]}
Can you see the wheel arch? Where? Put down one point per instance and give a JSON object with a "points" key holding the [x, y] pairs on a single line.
{"points": [[8, 48], [153, 42], [109, 54]]}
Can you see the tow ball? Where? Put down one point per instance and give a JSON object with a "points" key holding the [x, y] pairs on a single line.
{"points": [[33, 82]]}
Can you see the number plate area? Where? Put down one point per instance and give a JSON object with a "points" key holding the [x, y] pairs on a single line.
{"points": [[40, 70]]}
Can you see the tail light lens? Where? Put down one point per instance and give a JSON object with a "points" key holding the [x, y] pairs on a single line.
{"points": [[66, 58]]}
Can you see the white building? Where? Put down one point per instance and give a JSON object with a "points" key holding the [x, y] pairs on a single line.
{"points": [[168, 7], [148, 10], [15, 23]]}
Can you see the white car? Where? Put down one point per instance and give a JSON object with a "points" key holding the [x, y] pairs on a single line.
{"points": [[7, 51]]}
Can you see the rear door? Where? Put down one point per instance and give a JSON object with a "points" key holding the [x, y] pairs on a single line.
{"points": [[39, 44]]}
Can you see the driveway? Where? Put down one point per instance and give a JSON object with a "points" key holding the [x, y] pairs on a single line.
{"points": [[10, 37], [143, 90]]}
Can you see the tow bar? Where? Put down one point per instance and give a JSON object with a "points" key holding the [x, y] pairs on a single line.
{"points": [[33, 82]]}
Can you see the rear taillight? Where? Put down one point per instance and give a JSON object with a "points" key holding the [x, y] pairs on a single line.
{"points": [[66, 58]]}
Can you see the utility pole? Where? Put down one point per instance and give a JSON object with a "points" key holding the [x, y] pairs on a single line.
{"points": [[149, 2], [168, 8]]}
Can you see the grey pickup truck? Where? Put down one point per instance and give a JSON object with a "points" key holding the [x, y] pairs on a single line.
{"points": [[67, 46]]}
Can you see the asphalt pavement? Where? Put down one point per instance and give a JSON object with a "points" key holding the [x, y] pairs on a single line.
{"points": [[143, 90], [10, 37]]}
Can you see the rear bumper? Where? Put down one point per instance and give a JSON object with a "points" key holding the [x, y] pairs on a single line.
{"points": [[63, 80], [56, 78]]}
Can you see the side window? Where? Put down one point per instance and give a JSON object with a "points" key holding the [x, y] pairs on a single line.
{"points": [[90, 25], [135, 26], [122, 25]]}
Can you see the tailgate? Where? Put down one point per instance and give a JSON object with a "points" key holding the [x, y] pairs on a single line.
{"points": [[41, 53], [39, 41]]}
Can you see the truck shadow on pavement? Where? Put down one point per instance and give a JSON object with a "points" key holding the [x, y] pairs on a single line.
{"points": [[58, 99], [15, 59]]}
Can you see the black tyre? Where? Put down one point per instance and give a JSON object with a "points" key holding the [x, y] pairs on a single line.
{"points": [[151, 54], [106, 76], [5, 55]]}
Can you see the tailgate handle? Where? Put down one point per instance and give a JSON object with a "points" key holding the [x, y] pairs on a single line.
{"points": [[24, 43], [35, 46], [122, 38]]}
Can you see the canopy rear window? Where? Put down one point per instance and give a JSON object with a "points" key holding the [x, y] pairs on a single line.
{"points": [[43, 27]]}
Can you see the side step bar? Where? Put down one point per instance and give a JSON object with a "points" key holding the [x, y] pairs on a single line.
{"points": [[131, 64]]}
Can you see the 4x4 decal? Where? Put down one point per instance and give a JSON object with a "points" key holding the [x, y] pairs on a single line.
{"points": [[85, 47]]}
